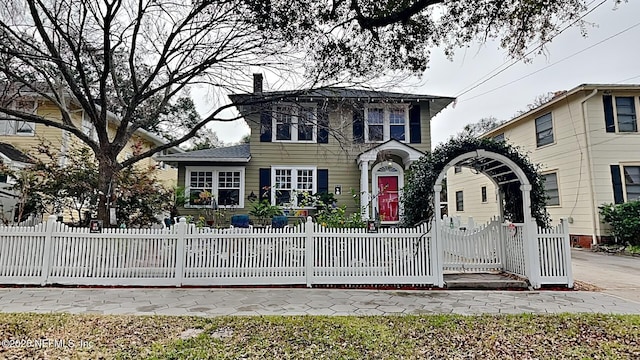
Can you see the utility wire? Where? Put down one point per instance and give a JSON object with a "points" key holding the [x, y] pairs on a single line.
{"points": [[534, 49], [559, 61], [507, 61]]}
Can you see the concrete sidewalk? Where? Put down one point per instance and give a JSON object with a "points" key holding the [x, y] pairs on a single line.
{"points": [[216, 302]]}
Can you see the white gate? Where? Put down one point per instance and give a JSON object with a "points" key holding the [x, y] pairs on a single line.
{"points": [[478, 249]]}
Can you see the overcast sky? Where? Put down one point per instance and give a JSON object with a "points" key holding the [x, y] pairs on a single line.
{"points": [[569, 60]]}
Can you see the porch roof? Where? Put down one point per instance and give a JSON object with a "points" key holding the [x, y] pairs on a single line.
{"points": [[238, 154], [407, 153]]}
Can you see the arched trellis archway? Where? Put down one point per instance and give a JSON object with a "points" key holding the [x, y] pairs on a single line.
{"points": [[498, 168], [418, 193], [518, 184]]}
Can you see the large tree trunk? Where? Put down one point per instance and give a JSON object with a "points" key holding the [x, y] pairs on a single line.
{"points": [[107, 169]]}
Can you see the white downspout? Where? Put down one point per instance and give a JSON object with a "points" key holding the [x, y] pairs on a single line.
{"points": [[595, 222]]}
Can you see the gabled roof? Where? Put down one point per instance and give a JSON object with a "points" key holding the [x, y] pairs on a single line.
{"points": [[395, 147], [238, 153], [13, 154], [437, 103], [561, 97]]}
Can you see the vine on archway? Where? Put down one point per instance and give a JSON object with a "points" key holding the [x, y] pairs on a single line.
{"points": [[420, 179]]}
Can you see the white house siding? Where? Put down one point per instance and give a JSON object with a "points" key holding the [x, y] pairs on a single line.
{"points": [[581, 156], [471, 184]]}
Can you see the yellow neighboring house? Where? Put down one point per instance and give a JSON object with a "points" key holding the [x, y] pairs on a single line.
{"points": [[24, 137], [588, 145]]}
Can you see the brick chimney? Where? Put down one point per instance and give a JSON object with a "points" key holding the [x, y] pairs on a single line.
{"points": [[257, 83]]}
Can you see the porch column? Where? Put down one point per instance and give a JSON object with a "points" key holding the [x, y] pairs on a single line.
{"points": [[364, 189]]}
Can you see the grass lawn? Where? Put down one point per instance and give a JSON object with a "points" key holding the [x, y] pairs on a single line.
{"points": [[318, 337]]}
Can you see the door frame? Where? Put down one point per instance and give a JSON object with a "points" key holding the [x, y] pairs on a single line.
{"points": [[375, 173]]}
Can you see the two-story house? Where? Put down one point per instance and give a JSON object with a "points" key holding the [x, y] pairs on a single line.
{"points": [[20, 137], [356, 144], [588, 145]]}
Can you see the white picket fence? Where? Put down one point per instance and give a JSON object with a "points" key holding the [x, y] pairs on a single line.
{"points": [[53, 253], [308, 254]]}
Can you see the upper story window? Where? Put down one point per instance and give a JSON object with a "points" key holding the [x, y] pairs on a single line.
{"points": [[632, 182], [294, 123], [457, 169], [15, 126], [483, 194], [544, 130], [626, 114], [499, 137], [386, 122]]}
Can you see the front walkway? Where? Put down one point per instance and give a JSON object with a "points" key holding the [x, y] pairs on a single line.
{"points": [[216, 302]]}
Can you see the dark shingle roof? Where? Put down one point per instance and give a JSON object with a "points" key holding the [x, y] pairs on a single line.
{"points": [[437, 103], [14, 154], [237, 153]]}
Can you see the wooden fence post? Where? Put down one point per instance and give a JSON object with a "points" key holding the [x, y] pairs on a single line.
{"points": [[566, 247], [46, 253], [181, 231], [309, 251]]}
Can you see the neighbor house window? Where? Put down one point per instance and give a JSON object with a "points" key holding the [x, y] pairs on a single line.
{"points": [[291, 184], [295, 123], [626, 114], [208, 187], [386, 122], [499, 137], [551, 188], [14, 126], [632, 182], [457, 169], [459, 201], [483, 193], [544, 130]]}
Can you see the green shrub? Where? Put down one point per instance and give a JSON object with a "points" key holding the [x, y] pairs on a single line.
{"points": [[624, 220]]}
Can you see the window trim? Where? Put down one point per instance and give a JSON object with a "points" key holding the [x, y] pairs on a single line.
{"points": [[295, 107], [557, 173], [636, 104], [459, 206], [16, 120], [215, 170], [294, 182], [553, 128], [624, 180], [386, 122]]}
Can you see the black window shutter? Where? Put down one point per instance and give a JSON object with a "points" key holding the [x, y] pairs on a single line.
{"points": [[358, 125], [323, 126], [414, 125], [265, 184], [265, 126], [323, 181], [607, 101], [616, 179]]}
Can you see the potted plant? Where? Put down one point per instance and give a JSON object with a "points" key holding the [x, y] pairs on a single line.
{"points": [[263, 211]]}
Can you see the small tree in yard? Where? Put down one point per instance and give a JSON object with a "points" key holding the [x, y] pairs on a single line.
{"points": [[624, 220], [139, 197]]}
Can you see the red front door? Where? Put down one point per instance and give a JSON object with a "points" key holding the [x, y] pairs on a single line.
{"points": [[388, 198]]}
